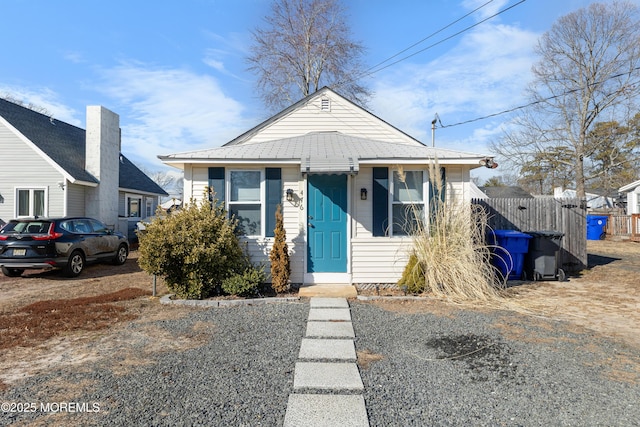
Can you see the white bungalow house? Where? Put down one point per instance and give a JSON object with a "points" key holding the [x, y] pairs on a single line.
{"points": [[632, 192], [344, 178], [51, 168]]}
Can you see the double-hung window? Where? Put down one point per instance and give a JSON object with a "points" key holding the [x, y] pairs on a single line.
{"points": [[245, 201], [407, 205], [134, 206], [31, 202]]}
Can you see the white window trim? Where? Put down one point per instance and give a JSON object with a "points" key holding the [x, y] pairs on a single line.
{"points": [[392, 202], [128, 196], [31, 199], [262, 202]]}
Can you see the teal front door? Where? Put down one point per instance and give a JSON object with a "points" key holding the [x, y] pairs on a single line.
{"points": [[327, 224]]}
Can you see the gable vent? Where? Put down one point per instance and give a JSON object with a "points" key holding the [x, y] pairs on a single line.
{"points": [[325, 104]]}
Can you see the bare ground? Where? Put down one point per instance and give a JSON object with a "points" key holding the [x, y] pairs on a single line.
{"points": [[47, 321]]}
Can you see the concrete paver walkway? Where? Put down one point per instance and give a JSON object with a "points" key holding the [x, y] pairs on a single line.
{"points": [[326, 370]]}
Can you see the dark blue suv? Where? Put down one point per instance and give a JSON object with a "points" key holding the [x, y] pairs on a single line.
{"points": [[60, 243]]}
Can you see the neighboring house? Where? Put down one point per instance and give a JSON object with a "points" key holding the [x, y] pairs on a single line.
{"points": [[632, 192], [347, 182], [505, 192], [594, 201], [51, 168]]}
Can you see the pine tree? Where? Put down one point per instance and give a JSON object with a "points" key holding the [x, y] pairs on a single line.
{"points": [[279, 256]]}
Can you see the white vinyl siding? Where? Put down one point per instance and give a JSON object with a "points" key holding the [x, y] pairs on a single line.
{"points": [[75, 200], [379, 260], [23, 167], [342, 116]]}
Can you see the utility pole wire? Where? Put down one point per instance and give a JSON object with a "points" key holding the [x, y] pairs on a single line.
{"points": [[369, 73], [539, 101], [426, 38]]}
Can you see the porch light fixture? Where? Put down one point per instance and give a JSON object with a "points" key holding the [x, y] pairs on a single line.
{"points": [[289, 194], [363, 194]]}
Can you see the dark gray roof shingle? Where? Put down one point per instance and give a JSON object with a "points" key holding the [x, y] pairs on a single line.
{"points": [[65, 145], [506, 192]]}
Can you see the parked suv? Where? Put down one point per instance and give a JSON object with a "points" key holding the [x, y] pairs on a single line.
{"points": [[58, 243]]}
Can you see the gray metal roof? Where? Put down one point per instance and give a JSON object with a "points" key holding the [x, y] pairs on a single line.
{"points": [[322, 145], [65, 145]]}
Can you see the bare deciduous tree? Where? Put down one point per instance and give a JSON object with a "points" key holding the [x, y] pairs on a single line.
{"points": [[170, 182], [306, 45], [588, 71], [31, 106]]}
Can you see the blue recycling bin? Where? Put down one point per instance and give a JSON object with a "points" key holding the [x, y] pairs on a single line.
{"points": [[509, 249], [596, 226]]}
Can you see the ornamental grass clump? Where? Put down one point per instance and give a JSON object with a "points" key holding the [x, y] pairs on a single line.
{"points": [[449, 258], [194, 250]]}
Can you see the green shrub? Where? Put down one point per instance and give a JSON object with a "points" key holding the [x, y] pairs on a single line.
{"points": [[413, 279], [279, 256], [194, 250], [245, 284]]}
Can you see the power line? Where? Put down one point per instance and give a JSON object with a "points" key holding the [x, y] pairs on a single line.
{"points": [[426, 38], [539, 101], [372, 70], [448, 38]]}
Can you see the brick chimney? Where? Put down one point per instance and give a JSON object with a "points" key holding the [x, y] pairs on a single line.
{"points": [[102, 160]]}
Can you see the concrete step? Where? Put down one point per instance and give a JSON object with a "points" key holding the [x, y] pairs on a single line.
{"points": [[334, 376], [319, 349], [330, 314], [329, 410], [330, 330], [329, 290], [320, 302]]}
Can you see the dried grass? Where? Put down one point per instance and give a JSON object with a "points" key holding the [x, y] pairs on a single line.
{"points": [[451, 252]]}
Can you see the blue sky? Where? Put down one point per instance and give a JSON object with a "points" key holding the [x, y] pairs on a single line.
{"points": [[175, 71]]}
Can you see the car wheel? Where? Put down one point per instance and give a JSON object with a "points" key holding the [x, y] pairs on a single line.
{"points": [[121, 255], [75, 265], [12, 272]]}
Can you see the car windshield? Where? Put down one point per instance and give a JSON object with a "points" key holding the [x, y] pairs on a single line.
{"points": [[26, 227]]}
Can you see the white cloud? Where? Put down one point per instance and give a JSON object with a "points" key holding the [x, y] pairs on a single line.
{"points": [[74, 57], [44, 98], [486, 11], [165, 110], [485, 73], [214, 63]]}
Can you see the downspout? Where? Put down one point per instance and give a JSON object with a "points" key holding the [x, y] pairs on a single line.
{"points": [[64, 186]]}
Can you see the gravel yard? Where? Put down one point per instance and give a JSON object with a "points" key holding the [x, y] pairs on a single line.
{"points": [[475, 368], [576, 363]]}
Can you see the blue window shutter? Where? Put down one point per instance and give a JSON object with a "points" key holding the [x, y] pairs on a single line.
{"points": [[273, 177], [380, 201], [216, 184]]}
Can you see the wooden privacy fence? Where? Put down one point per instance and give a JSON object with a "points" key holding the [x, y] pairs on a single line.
{"points": [[627, 226], [544, 214]]}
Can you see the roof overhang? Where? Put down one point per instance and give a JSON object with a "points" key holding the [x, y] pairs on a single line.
{"points": [[330, 165], [142, 193], [629, 187]]}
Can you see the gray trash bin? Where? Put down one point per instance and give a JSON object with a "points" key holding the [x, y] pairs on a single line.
{"points": [[541, 262]]}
